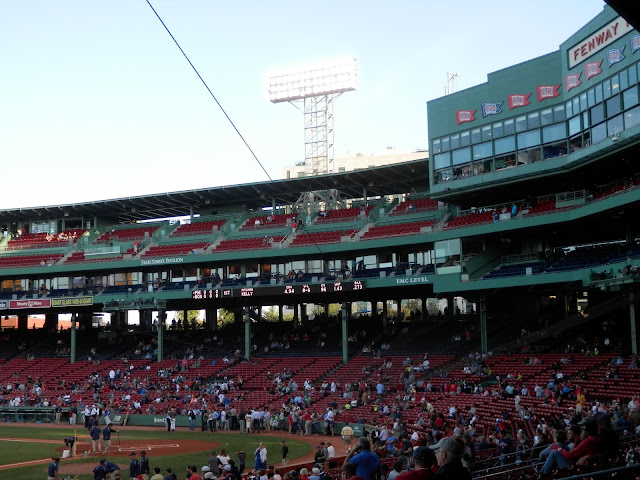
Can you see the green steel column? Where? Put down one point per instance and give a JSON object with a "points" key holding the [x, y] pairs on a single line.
{"points": [[632, 321], [296, 313], [384, 313], [483, 325], [345, 335], [74, 319], [160, 325], [247, 334]]}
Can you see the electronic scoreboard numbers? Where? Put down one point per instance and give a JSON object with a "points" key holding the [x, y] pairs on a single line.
{"points": [[271, 290]]}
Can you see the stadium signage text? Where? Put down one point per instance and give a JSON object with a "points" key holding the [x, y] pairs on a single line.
{"points": [[31, 303], [162, 261], [407, 281], [597, 41], [3, 305], [293, 289], [72, 301]]}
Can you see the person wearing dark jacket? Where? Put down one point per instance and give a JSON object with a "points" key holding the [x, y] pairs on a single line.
{"points": [[449, 455]]}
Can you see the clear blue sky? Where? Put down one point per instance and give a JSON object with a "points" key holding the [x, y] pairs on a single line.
{"points": [[97, 102]]}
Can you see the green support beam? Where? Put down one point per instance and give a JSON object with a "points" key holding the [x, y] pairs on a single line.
{"points": [[74, 320], [483, 325], [345, 335], [160, 325], [632, 321], [247, 334]]}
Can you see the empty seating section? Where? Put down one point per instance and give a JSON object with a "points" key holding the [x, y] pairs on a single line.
{"points": [[44, 240], [585, 257], [174, 249], [564, 259], [542, 207], [470, 219], [80, 256], [249, 243], [515, 270], [197, 228], [21, 261], [343, 214], [333, 236], [416, 205], [269, 221], [397, 229], [125, 234], [605, 192]]}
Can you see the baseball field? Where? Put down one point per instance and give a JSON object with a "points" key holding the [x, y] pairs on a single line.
{"points": [[26, 449]]}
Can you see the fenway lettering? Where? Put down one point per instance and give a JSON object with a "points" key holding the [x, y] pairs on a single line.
{"points": [[599, 40]]}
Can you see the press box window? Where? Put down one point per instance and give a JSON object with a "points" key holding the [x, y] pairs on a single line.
{"points": [[597, 114], [615, 84], [613, 106], [546, 116], [461, 156], [606, 88], [630, 97], [633, 74], [441, 160], [624, 80], [486, 133], [599, 95], [583, 102], [509, 128], [615, 125], [632, 117], [455, 141], [464, 139]]}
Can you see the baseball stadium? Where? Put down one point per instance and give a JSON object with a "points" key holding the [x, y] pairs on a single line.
{"points": [[468, 313]]}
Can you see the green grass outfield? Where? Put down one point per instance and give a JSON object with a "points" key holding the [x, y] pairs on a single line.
{"points": [[15, 452]]}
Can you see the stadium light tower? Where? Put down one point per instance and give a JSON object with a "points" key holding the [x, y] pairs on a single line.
{"points": [[318, 85]]}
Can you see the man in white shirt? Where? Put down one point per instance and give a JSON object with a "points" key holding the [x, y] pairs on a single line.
{"points": [[331, 451], [87, 414]]}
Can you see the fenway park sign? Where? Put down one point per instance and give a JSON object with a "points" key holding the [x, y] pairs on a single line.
{"points": [[32, 303]]}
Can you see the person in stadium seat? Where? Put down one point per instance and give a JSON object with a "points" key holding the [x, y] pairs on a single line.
{"points": [[597, 441], [366, 462], [448, 457], [423, 460]]}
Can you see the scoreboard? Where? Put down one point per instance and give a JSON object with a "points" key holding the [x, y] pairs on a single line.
{"points": [[271, 290]]}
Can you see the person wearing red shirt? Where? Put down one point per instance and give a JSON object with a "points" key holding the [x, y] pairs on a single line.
{"points": [[194, 473], [590, 445]]}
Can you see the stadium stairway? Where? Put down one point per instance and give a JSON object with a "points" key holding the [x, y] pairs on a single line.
{"points": [[441, 223]]}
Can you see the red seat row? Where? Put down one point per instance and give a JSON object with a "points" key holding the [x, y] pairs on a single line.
{"points": [[197, 228], [397, 229], [322, 237], [249, 243]]}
